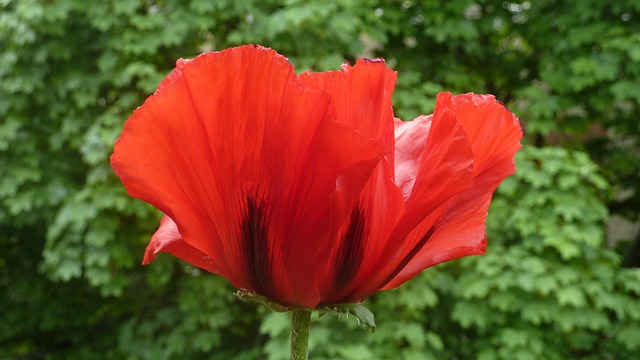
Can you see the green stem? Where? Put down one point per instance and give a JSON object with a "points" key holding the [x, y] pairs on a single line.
{"points": [[300, 321]]}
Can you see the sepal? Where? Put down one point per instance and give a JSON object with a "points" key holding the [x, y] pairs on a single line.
{"points": [[365, 316], [248, 296]]}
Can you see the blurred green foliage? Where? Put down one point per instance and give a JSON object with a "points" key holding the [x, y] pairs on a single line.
{"points": [[550, 287]]}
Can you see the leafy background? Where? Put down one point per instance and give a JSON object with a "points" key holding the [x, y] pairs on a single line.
{"points": [[554, 284]]}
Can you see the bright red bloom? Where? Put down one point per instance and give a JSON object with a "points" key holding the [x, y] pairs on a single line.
{"points": [[305, 189]]}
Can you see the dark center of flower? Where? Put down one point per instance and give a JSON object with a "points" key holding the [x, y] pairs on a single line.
{"points": [[255, 244], [351, 251], [414, 251]]}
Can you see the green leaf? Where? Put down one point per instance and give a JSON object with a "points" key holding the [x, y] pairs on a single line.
{"points": [[571, 295]]}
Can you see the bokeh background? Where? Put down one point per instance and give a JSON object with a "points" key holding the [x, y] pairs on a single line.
{"points": [[561, 277]]}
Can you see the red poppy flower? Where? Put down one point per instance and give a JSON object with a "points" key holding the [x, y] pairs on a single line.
{"points": [[305, 189]]}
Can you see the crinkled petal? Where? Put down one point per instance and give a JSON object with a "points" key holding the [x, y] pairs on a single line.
{"points": [[361, 98], [495, 135], [494, 132], [444, 169]]}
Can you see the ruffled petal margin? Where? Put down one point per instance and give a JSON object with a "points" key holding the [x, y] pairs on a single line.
{"points": [[360, 96]]}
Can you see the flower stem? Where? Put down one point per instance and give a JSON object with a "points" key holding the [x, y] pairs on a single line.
{"points": [[300, 322]]}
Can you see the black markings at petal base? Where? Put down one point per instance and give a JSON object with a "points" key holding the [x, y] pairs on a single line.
{"points": [[351, 252], [254, 231], [414, 251]]}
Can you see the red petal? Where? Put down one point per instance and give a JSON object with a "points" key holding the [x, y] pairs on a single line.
{"points": [[361, 241], [361, 99], [168, 239], [233, 146], [411, 138], [445, 168], [309, 240], [441, 162], [495, 134], [360, 96], [493, 130]]}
